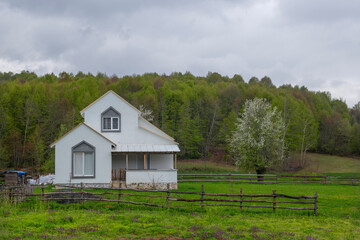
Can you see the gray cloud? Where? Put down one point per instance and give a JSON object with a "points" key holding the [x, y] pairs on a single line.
{"points": [[311, 43]]}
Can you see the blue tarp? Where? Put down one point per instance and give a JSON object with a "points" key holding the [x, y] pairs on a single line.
{"points": [[20, 173]]}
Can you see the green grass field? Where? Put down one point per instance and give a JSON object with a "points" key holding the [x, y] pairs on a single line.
{"points": [[338, 217], [318, 164], [327, 164]]}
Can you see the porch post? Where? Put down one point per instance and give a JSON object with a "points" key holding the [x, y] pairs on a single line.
{"points": [[144, 161], [127, 161], [174, 160]]}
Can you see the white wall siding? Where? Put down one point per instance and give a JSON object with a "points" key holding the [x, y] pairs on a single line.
{"points": [[151, 176], [161, 161], [128, 121], [63, 156]]}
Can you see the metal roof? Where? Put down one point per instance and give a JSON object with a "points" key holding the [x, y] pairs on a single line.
{"points": [[147, 148]]}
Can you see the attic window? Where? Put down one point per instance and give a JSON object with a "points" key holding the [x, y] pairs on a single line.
{"points": [[110, 120]]}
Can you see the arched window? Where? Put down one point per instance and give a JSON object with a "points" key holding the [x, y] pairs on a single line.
{"points": [[83, 160], [110, 120]]}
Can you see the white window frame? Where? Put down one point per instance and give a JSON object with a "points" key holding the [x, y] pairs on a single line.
{"points": [[83, 165], [111, 124]]}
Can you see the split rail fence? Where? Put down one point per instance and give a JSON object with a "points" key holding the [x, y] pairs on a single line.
{"points": [[267, 178], [165, 198]]}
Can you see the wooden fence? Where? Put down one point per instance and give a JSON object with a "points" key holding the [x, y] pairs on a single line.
{"points": [[169, 199], [267, 178]]}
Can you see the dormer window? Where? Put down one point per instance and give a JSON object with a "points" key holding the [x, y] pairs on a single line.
{"points": [[110, 120]]}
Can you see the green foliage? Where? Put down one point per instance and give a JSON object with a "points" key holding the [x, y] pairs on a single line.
{"points": [[199, 112]]}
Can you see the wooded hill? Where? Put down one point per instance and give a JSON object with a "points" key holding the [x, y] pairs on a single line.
{"points": [[199, 112]]}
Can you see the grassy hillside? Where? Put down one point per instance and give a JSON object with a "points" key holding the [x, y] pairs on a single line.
{"points": [[323, 164], [316, 164]]}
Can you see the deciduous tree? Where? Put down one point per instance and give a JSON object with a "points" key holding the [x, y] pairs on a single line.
{"points": [[257, 142]]}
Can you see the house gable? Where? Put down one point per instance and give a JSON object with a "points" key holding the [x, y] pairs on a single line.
{"points": [[128, 115], [133, 129], [73, 130], [82, 139]]}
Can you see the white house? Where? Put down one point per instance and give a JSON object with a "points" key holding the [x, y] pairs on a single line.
{"points": [[115, 145]]}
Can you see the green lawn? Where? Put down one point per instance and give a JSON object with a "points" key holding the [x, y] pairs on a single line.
{"points": [[338, 218]]}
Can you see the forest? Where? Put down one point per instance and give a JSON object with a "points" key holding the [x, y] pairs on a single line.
{"points": [[200, 112]]}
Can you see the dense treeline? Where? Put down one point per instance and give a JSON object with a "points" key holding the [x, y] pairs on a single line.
{"points": [[199, 112]]}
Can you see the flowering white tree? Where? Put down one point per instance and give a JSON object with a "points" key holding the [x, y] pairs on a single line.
{"points": [[257, 142], [146, 113]]}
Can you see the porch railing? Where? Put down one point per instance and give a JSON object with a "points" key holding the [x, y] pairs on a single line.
{"points": [[118, 174]]}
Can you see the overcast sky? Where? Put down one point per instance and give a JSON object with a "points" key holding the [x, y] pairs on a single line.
{"points": [[312, 43]]}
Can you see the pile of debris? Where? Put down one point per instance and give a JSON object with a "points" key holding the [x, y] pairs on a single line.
{"points": [[45, 179]]}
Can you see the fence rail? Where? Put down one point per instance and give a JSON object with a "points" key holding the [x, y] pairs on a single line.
{"points": [[267, 178], [164, 198]]}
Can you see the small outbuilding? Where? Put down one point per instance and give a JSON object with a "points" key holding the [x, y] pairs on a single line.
{"points": [[115, 145]]}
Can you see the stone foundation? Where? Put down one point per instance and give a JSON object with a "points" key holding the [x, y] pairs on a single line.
{"points": [[116, 184], [85, 185], [158, 186]]}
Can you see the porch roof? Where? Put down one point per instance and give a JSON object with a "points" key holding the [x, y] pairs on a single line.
{"points": [[147, 148]]}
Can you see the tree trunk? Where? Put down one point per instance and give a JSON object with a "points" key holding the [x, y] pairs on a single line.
{"points": [[303, 145], [207, 145], [260, 171]]}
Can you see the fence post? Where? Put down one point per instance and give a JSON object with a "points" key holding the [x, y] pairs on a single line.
{"points": [[277, 179], [325, 179], [241, 198], [119, 196], [82, 193], [315, 203], [274, 200], [42, 191], [168, 196], [202, 196], [352, 181], [11, 195]]}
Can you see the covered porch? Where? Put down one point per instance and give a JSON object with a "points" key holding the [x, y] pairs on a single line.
{"points": [[145, 167]]}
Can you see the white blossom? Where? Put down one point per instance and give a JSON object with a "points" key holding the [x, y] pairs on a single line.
{"points": [[146, 113], [257, 142]]}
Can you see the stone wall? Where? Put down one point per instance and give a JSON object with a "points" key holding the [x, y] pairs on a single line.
{"points": [[86, 185], [158, 186]]}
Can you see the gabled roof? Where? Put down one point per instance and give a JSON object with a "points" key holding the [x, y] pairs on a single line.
{"points": [[52, 144], [108, 92], [167, 136], [169, 139]]}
